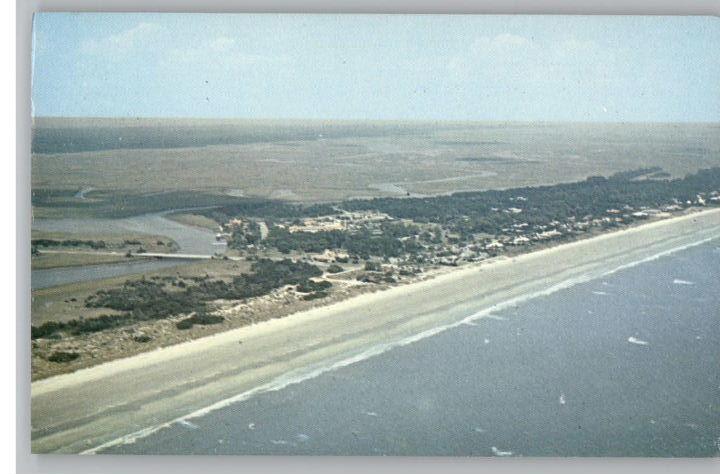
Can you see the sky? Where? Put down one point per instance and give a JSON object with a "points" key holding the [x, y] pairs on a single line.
{"points": [[416, 67]]}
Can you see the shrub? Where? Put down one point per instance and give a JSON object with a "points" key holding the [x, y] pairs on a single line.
{"points": [[151, 299], [204, 318], [45, 330], [61, 357], [100, 323], [199, 318], [372, 266], [311, 286], [51, 329], [142, 338], [315, 296], [184, 324], [334, 268]]}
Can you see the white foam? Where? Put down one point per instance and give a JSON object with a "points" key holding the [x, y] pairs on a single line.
{"points": [[497, 452], [678, 281], [371, 413], [600, 293], [495, 317], [561, 400], [297, 376], [188, 424], [639, 342]]}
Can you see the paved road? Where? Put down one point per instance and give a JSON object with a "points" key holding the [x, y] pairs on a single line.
{"points": [[91, 408], [180, 256]]}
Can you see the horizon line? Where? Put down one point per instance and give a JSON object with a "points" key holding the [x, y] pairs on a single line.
{"points": [[395, 120]]}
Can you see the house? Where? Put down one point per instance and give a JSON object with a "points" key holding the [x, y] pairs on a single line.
{"points": [[548, 234], [520, 240], [494, 245], [330, 256]]}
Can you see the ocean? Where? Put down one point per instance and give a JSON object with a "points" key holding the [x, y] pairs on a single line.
{"points": [[624, 365]]}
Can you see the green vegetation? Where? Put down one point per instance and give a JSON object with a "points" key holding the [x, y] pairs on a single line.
{"points": [[64, 249], [81, 326], [456, 219], [265, 208], [62, 357], [477, 212], [334, 268], [194, 220], [291, 156], [200, 318], [113, 204], [93, 244], [634, 174], [311, 286], [160, 298], [314, 296], [441, 221], [242, 237], [383, 241]]}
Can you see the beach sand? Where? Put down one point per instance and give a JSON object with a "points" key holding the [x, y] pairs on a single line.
{"points": [[127, 398]]}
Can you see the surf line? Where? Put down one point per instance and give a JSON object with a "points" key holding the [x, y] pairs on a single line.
{"points": [[301, 375]]}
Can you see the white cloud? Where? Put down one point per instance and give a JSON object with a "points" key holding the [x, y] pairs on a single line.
{"points": [[517, 59], [222, 44], [490, 51], [123, 42], [222, 51], [504, 42]]}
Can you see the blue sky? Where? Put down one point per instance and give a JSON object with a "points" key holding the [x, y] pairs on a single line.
{"points": [[554, 68]]}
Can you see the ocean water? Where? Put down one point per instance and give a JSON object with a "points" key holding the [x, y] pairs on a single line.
{"points": [[626, 365]]}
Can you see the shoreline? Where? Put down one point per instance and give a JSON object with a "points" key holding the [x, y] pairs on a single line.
{"points": [[126, 399], [427, 278]]}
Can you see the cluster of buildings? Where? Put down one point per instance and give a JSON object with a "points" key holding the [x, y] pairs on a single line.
{"points": [[523, 234], [450, 249], [342, 221], [225, 232]]}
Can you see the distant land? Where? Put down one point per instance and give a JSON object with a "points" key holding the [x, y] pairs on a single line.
{"points": [[324, 161], [336, 238]]}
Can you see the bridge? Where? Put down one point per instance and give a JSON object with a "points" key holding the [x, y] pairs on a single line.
{"points": [[176, 256]]}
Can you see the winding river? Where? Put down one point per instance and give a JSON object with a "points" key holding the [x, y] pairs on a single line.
{"points": [[191, 240]]}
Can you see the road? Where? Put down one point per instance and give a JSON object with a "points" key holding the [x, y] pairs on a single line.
{"points": [[264, 231], [179, 256], [115, 402]]}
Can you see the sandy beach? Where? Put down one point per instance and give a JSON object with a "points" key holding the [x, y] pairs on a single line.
{"points": [[124, 399]]}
